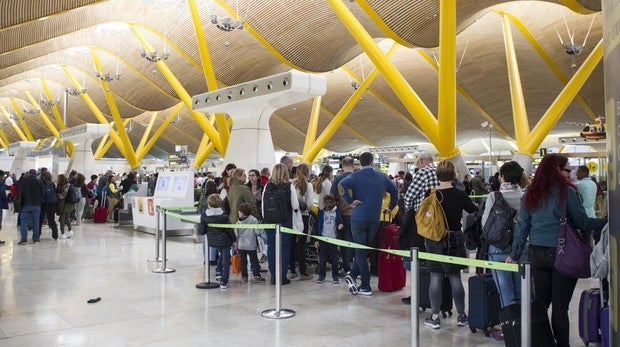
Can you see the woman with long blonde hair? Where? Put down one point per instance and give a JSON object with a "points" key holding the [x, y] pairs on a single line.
{"points": [[324, 184], [298, 242]]}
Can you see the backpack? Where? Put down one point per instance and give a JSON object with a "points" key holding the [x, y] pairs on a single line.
{"points": [[431, 218], [50, 194], [498, 228], [473, 230], [276, 203], [73, 195]]}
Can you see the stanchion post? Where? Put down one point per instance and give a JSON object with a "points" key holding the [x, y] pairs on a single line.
{"points": [[526, 304], [415, 298], [207, 284], [163, 268], [156, 258], [278, 312]]}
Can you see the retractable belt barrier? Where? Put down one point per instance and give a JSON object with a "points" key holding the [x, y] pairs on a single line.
{"points": [[414, 254], [404, 253]]}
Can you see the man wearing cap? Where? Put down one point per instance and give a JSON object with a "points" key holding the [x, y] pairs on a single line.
{"points": [[30, 192]]}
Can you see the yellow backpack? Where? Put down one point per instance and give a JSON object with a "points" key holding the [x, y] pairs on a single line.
{"points": [[431, 219]]}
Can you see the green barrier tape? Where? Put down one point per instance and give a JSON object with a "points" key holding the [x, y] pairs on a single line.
{"points": [[479, 196], [403, 253]]}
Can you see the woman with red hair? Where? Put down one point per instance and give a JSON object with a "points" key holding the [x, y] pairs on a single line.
{"points": [[539, 223]]}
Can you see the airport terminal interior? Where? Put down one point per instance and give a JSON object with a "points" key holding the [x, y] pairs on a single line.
{"points": [[178, 87]]}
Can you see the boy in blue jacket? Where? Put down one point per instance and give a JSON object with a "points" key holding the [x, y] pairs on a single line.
{"points": [[329, 222], [219, 238]]}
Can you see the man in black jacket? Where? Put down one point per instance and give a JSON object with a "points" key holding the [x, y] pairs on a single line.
{"points": [[30, 193]]}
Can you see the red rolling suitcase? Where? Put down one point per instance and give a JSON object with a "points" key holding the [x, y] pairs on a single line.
{"points": [[392, 275], [100, 215]]}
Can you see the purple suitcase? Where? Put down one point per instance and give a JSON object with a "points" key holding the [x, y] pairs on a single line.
{"points": [[605, 326], [590, 315]]}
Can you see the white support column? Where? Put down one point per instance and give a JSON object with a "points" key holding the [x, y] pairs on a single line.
{"points": [[250, 105], [82, 137], [20, 149], [525, 161]]}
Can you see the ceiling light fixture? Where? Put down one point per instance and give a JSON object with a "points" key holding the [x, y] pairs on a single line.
{"points": [[75, 91], [48, 102], [153, 57], [30, 110], [107, 77], [226, 23]]}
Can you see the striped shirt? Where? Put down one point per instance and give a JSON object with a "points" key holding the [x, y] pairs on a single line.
{"points": [[425, 179]]}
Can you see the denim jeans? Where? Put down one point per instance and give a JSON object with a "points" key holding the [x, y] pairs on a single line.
{"points": [[346, 252], [25, 214], [271, 251], [508, 283], [363, 233], [551, 287], [223, 263]]}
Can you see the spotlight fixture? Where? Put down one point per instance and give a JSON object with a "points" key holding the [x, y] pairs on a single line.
{"points": [[572, 49], [153, 57], [30, 110], [48, 102], [107, 77], [226, 24], [75, 91], [355, 85]]}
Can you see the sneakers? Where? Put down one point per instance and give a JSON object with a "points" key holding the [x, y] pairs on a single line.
{"points": [[258, 279], [462, 320], [218, 276], [320, 280], [406, 301], [69, 234], [433, 323], [21, 242], [223, 284], [497, 335], [364, 291], [351, 283]]}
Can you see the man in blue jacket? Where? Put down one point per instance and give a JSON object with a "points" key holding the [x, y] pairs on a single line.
{"points": [[364, 191]]}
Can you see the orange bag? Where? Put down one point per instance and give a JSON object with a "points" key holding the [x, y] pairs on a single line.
{"points": [[235, 261]]}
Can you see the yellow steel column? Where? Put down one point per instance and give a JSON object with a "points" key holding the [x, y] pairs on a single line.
{"points": [[519, 111], [4, 137], [93, 107], [3, 143], [446, 108], [147, 131], [184, 96], [103, 146], [131, 155], [205, 148], [313, 123], [19, 132], [140, 154], [397, 82], [55, 110], [22, 121], [552, 65], [207, 68], [312, 151], [43, 115], [559, 105]]}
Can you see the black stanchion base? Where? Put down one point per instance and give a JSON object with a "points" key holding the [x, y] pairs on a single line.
{"points": [[207, 285]]}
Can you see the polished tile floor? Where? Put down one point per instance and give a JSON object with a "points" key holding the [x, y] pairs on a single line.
{"points": [[44, 289]]}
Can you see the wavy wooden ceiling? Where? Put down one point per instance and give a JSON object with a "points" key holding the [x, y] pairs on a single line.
{"points": [[39, 36]]}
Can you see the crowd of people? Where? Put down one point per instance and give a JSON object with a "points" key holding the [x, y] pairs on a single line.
{"points": [[350, 205]]}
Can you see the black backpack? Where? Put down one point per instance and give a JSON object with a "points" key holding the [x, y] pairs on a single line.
{"points": [[73, 195], [473, 230], [50, 194], [498, 229], [277, 203]]}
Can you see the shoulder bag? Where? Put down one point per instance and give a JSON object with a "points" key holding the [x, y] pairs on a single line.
{"points": [[572, 257]]}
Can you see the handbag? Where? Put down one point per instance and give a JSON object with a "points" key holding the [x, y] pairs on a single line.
{"points": [[235, 262], [572, 257]]}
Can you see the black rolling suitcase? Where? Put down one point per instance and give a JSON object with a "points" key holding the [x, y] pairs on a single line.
{"points": [[446, 292], [510, 320], [484, 303]]}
